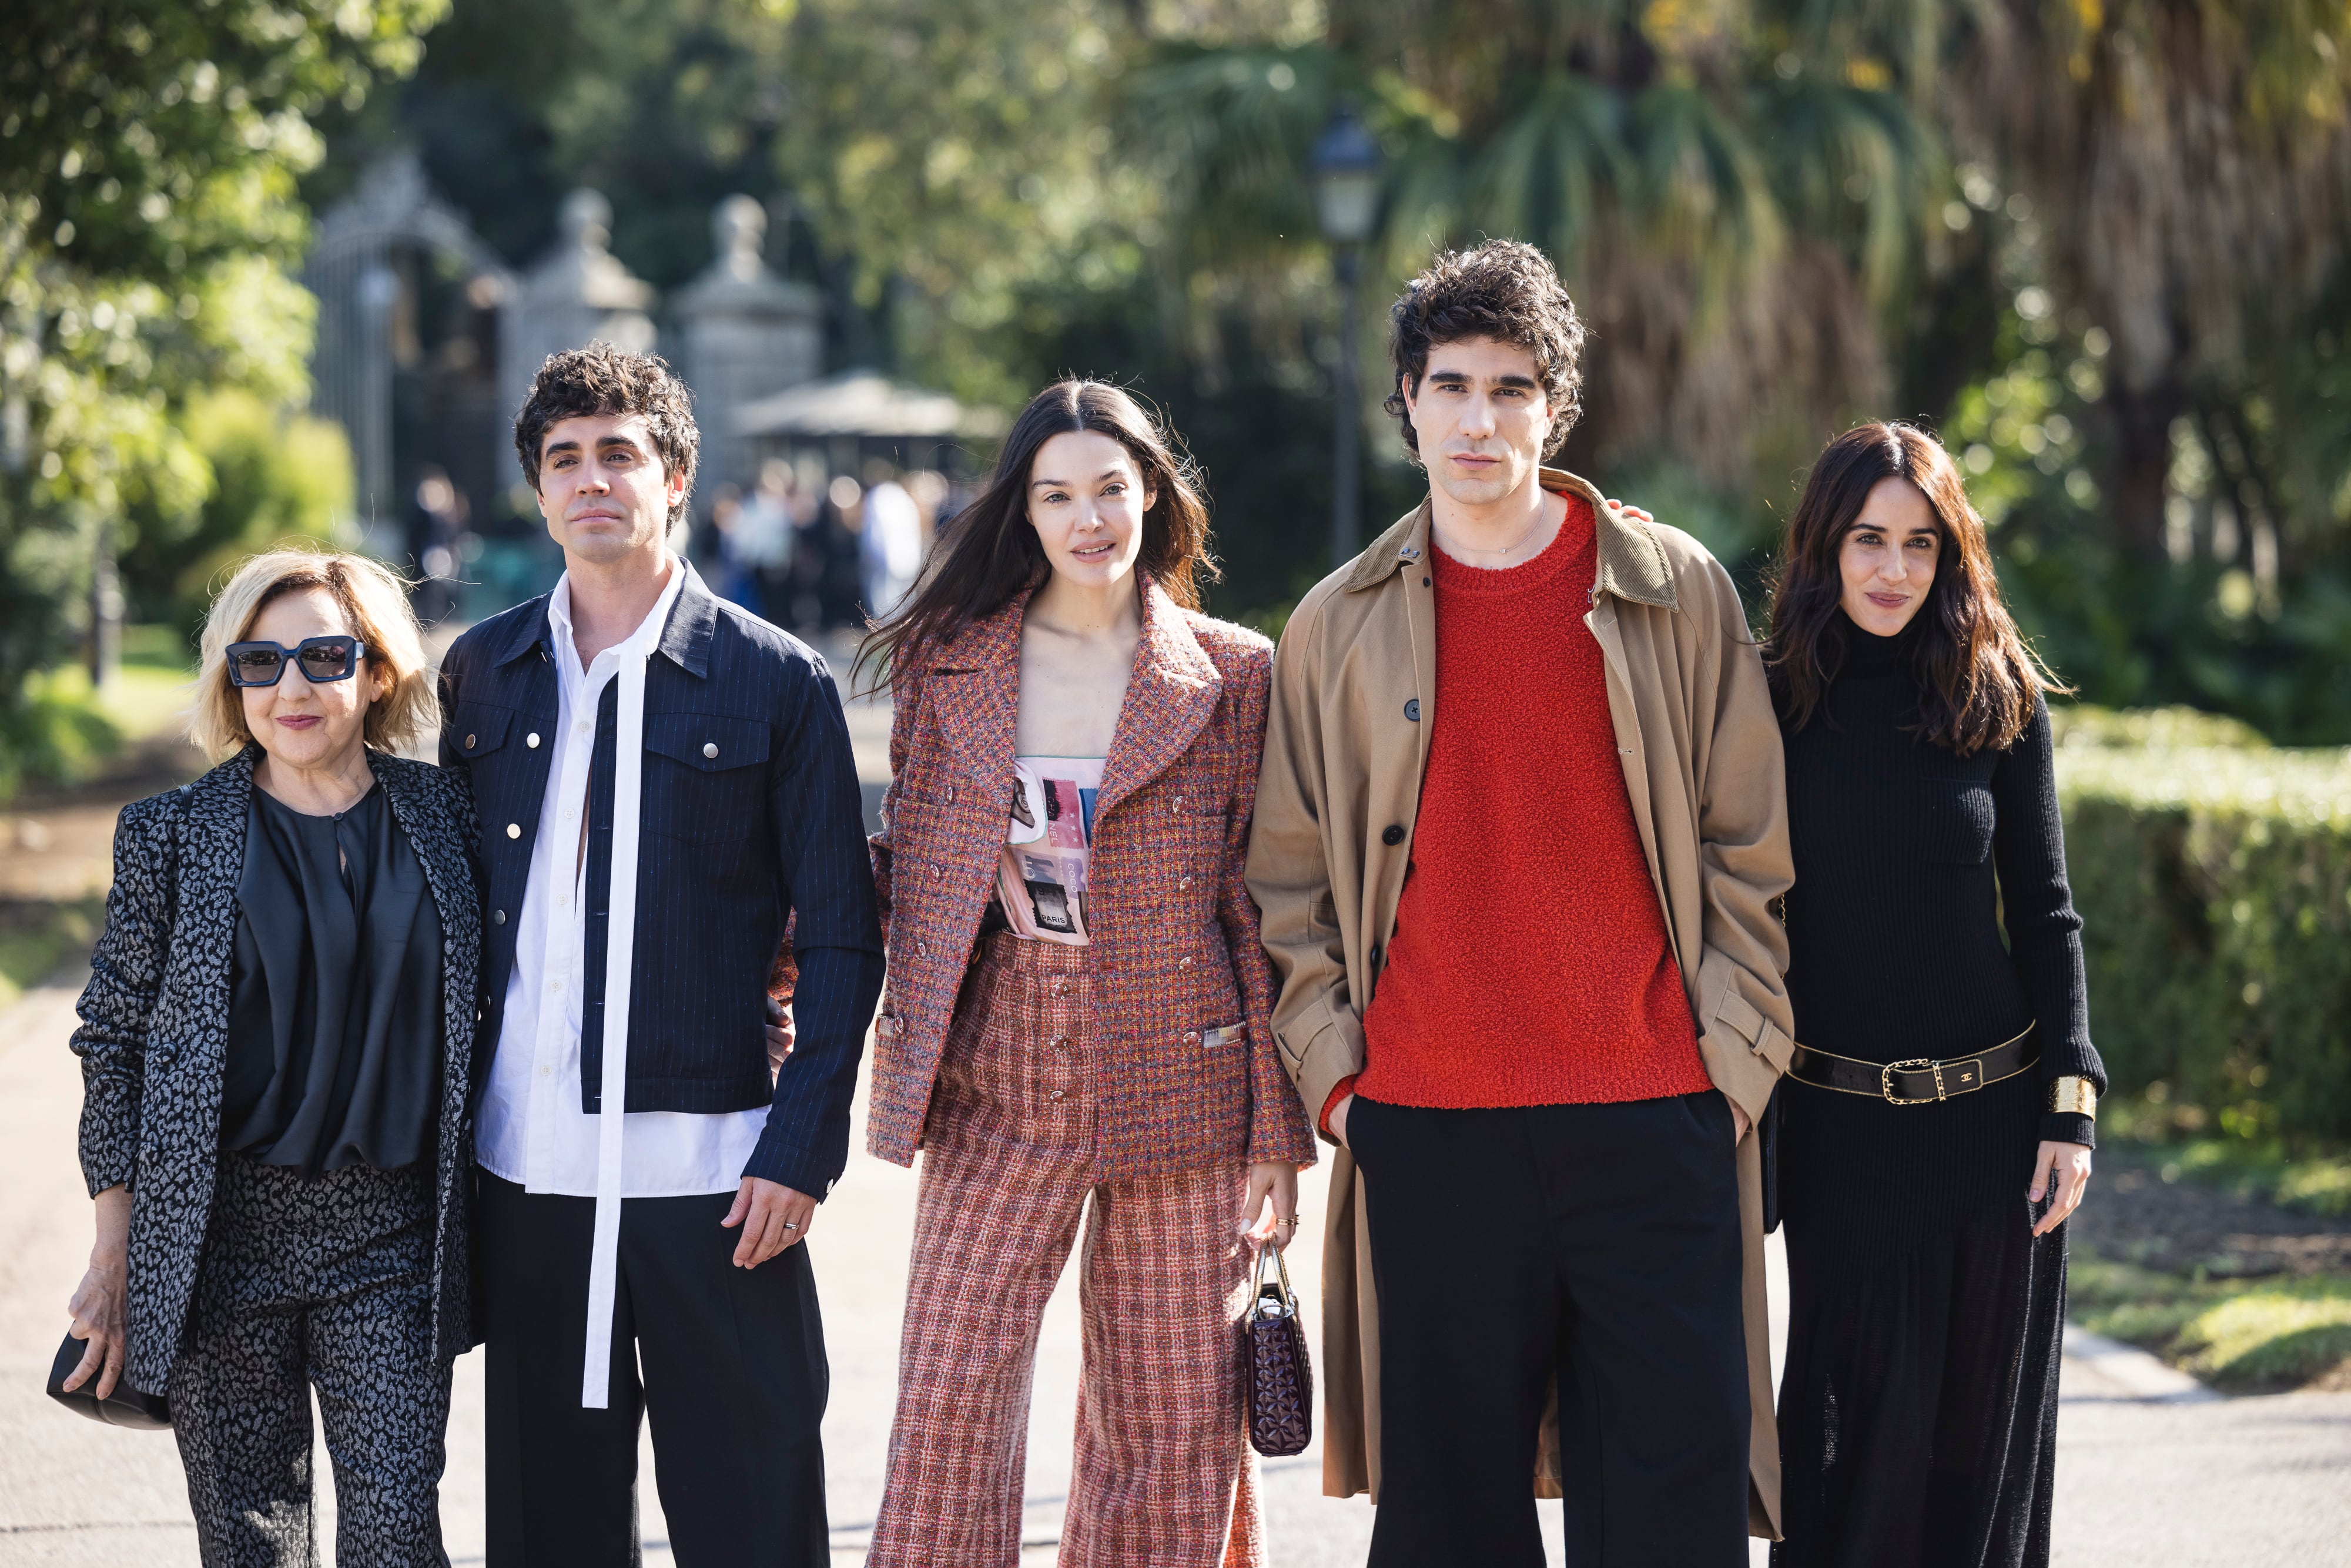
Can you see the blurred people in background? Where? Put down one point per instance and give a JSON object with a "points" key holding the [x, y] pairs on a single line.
{"points": [[831, 579], [890, 545], [714, 546], [765, 539], [436, 523], [929, 489]]}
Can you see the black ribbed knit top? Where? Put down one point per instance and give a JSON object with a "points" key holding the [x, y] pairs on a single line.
{"points": [[1910, 861]]}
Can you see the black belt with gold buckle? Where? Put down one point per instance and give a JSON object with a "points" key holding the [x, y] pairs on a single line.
{"points": [[1919, 1080]]}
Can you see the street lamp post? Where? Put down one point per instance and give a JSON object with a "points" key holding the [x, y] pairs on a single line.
{"points": [[1346, 167]]}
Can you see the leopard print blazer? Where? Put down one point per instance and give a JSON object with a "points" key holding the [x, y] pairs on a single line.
{"points": [[153, 1040]]}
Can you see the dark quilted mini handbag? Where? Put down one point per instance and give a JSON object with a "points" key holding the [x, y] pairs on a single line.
{"points": [[1276, 1380]]}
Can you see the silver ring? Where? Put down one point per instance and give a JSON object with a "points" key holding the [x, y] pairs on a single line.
{"points": [[791, 1225]]}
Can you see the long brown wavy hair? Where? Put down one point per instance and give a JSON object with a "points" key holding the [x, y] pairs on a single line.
{"points": [[1977, 675], [989, 551]]}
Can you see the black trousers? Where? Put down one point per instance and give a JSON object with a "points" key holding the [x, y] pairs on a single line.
{"points": [[1599, 1243], [729, 1362]]}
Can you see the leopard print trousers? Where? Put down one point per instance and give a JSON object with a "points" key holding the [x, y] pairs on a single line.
{"points": [[325, 1284]]}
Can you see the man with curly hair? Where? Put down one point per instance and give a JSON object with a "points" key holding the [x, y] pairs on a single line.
{"points": [[663, 780], [1520, 822]]}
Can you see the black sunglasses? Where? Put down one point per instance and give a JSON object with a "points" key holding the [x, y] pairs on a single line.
{"points": [[321, 658]]}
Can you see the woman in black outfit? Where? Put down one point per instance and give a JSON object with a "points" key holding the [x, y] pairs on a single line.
{"points": [[275, 1043], [1938, 1115]]}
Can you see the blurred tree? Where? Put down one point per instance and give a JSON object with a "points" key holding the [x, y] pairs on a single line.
{"points": [[148, 154]]}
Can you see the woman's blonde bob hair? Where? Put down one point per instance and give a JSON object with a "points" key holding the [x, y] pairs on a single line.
{"points": [[376, 604]]}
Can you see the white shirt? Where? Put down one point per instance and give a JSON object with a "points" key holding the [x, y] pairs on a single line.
{"points": [[531, 1130]]}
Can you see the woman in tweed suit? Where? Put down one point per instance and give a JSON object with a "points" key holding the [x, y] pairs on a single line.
{"points": [[1076, 1020], [275, 1047]]}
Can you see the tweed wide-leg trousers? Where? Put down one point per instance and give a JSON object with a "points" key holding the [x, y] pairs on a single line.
{"points": [[1162, 1476]]}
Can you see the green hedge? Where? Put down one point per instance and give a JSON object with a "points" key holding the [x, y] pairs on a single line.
{"points": [[2213, 873]]}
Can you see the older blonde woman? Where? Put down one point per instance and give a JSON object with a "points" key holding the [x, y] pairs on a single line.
{"points": [[274, 1047]]}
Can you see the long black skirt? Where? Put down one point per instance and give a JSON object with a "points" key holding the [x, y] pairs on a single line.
{"points": [[1919, 1408]]}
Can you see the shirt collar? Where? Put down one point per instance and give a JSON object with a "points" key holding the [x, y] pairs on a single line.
{"points": [[641, 642]]}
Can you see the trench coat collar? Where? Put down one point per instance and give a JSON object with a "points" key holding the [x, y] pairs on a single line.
{"points": [[1632, 563], [686, 635], [1171, 694]]}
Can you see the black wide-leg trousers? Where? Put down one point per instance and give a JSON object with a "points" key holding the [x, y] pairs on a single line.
{"points": [[728, 1363], [1599, 1243]]}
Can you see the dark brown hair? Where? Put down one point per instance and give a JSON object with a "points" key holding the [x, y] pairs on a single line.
{"points": [[1505, 290], [1977, 675], [989, 551], [603, 381]]}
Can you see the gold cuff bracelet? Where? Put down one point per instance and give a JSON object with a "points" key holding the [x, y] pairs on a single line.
{"points": [[2073, 1096]]}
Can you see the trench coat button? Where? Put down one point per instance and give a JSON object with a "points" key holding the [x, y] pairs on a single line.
{"points": [[469, 743], [710, 748], [497, 918], [531, 740], [1191, 1037], [1392, 835], [513, 830], [1412, 710]]}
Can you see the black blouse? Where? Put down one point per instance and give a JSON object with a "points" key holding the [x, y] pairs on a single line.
{"points": [[334, 1044]]}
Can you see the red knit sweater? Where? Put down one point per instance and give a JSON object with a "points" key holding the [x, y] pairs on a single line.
{"points": [[1530, 964]]}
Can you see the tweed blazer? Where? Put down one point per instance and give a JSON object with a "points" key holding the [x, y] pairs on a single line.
{"points": [[1175, 952], [153, 1040]]}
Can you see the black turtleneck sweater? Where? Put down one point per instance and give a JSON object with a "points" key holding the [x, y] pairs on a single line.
{"points": [[1910, 861]]}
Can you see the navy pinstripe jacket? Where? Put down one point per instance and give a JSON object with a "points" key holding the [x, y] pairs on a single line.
{"points": [[750, 813]]}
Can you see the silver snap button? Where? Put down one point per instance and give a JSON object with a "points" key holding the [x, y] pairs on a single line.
{"points": [[531, 740], [710, 748], [513, 830], [497, 918]]}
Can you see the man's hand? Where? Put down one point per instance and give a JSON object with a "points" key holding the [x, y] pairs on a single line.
{"points": [[2071, 1162], [99, 1304], [772, 1215], [1738, 1121]]}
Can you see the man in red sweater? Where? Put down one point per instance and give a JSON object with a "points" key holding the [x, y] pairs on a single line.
{"points": [[1519, 822]]}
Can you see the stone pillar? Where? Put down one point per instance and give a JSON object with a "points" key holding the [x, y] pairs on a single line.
{"points": [[746, 334], [577, 294]]}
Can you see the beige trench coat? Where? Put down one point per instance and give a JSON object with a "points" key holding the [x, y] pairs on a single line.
{"points": [[1343, 761]]}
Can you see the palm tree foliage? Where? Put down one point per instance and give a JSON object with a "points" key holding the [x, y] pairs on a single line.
{"points": [[1781, 215]]}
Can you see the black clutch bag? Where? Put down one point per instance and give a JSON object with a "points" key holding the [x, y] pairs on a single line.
{"points": [[126, 1407], [1276, 1380]]}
